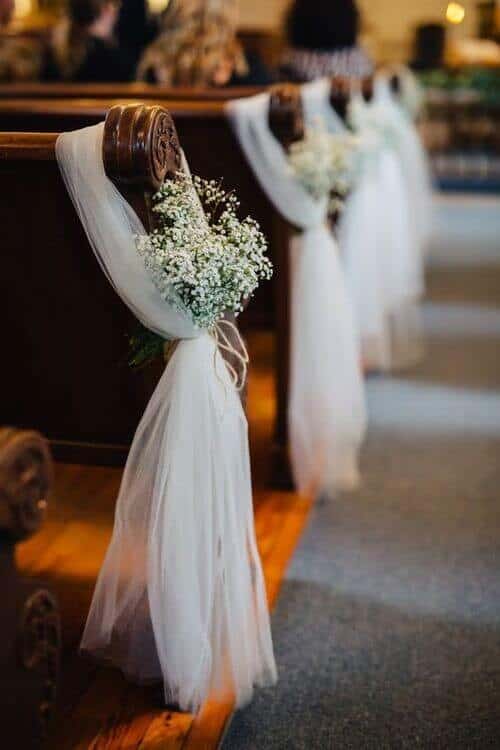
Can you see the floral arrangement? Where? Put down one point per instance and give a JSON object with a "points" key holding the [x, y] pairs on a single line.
{"points": [[323, 164], [201, 256], [375, 127]]}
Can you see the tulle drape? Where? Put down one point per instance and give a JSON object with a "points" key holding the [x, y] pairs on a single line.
{"points": [[414, 162], [180, 596], [317, 107], [326, 409], [380, 247]]}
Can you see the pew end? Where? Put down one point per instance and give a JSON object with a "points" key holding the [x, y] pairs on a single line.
{"points": [[30, 646], [286, 118]]}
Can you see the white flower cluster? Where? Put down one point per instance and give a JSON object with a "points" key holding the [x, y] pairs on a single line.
{"points": [[323, 164], [201, 256], [374, 124]]}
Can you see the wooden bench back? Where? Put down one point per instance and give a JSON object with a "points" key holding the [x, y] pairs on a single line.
{"points": [[207, 139], [65, 330], [58, 332], [140, 91]]}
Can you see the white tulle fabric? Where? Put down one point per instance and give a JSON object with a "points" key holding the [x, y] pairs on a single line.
{"points": [[180, 596], [326, 409], [317, 107], [411, 93], [380, 252], [413, 158]]}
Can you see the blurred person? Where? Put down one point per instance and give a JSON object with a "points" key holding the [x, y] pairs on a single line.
{"points": [[322, 38], [198, 47], [430, 43], [83, 47], [136, 27], [20, 58], [6, 12]]}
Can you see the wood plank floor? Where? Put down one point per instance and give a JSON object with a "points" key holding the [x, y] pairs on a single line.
{"points": [[98, 709]]}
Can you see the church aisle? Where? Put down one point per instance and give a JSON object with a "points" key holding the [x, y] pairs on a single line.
{"points": [[387, 626]]}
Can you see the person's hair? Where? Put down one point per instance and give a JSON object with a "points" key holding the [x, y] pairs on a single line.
{"points": [[70, 39], [197, 36], [322, 25]]}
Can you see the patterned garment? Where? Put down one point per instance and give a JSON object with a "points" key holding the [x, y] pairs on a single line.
{"points": [[306, 65]]}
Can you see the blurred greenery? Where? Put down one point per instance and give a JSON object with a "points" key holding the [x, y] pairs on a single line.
{"points": [[145, 347], [485, 82]]}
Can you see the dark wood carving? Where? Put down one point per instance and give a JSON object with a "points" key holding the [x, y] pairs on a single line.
{"points": [[30, 626], [40, 651], [25, 477], [395, 84], [286, 118], [340, 92], [77, 352], [140, 145], [341, 89], [141, 150]]}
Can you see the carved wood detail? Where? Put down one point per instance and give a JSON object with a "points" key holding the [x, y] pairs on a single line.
{"points": [[340, 92], [30, 645], [40, 649], [140, 146], [286, 118], [25, 480]]}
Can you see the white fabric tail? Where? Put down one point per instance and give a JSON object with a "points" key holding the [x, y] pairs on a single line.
{"points": [[380, 247], [326, 409]]}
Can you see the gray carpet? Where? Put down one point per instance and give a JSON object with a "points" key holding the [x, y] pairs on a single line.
{"points": [[387, 628]]}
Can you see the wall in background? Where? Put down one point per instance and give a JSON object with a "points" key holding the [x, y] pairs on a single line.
{"points": [[388, 24]]}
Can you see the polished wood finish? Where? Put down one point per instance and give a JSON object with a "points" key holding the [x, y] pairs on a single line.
{"points": [[30, 624], [66, 370], [140, 146], [25, 479], [286, 118], [341, 89], [213, 151], [27, 146], [286, 121], [123, 91]]}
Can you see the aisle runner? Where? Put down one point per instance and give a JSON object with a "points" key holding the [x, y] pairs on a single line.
{"points": [[387, 626]]}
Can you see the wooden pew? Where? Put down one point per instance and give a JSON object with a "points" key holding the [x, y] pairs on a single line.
{"points": [[123, 91], [213, 154], [30, 643], [65, 366]]}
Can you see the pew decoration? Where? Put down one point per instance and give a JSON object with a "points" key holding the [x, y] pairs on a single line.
{"points": [[323, 163], [202, 258], [326, 411], [316, 98], [180, 596], [383, 229], [408, 90]]}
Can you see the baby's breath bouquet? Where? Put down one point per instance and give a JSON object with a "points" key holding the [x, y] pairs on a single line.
{"points": [[201, 256], [322, 163]]}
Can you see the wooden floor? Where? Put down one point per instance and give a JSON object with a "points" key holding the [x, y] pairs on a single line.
{"points": [[98, 708]]}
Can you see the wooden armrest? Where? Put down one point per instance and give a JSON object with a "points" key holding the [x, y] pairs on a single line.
{"points": [[140, 146], [25, 479], [286, 117]]}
